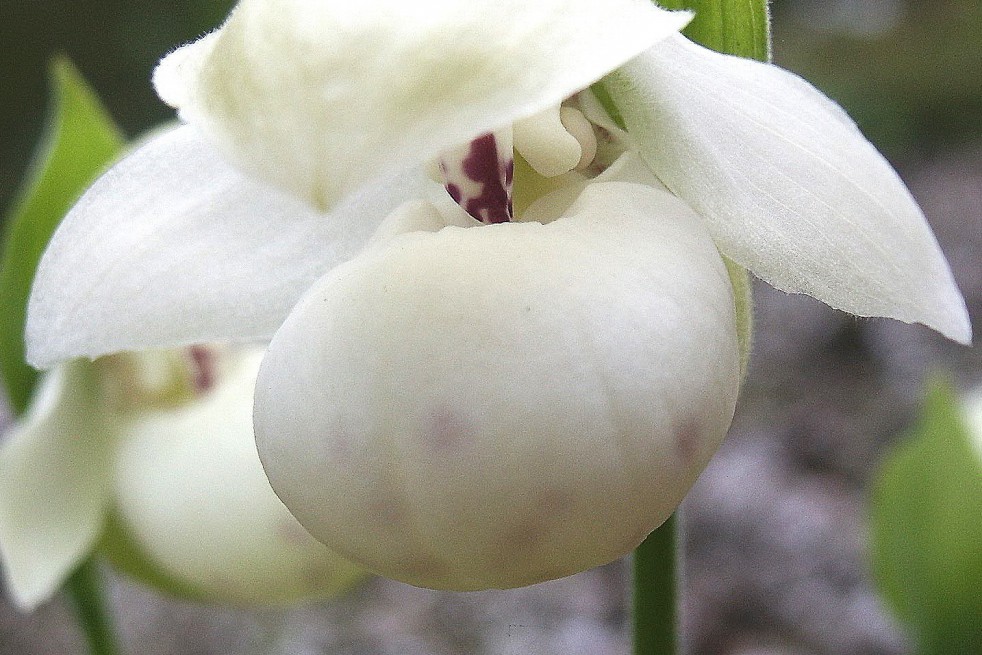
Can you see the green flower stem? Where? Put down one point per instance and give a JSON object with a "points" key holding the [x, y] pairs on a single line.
{"points": [[656, 585], [741, 28], [85, 590], [736, 27]]}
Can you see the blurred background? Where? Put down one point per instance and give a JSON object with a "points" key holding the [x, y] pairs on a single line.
{"points": [[776, 528]]}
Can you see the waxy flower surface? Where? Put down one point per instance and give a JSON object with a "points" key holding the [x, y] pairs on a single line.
{"points": [[504, 337], [151, 458]]}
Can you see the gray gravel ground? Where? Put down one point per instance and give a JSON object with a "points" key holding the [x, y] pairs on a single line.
{"points": [[775, 530]]}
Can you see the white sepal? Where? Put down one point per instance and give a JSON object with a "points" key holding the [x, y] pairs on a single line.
{"points": [[173, 246], [500, 405], [54, 484], [320, 97], [788, 185]]}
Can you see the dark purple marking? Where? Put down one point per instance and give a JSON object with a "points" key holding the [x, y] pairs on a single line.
{"points": [[454, 192], [448, 431], [202, 368], [688, 440], [483, 166]]}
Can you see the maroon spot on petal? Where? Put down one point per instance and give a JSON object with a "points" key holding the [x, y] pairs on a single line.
{"points": [[481, 163], [202, 368], [521, 537], [454, 192], [492, 171], [448, 431], [526, 535], [340, 446], [688, 442], [388, 509]]}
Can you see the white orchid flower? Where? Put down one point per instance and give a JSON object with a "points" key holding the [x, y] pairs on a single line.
{"points": [[456, 404], [151, 457]]}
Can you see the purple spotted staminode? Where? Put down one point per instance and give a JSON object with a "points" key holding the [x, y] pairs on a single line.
{"points": [[479, 177]]}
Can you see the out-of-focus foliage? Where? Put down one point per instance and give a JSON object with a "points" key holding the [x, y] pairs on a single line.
{"points": [[79, 141], [927, 530], [926, 93], [114, 43]]}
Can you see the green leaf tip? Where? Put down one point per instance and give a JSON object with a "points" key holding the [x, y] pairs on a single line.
{"points": [[735, 27], [926, 541], [78, 141]]}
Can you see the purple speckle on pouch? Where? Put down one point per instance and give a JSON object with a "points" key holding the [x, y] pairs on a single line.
{"points": [[490, 175]]}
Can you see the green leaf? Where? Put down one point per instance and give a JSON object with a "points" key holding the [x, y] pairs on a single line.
{"points": [[80, 139], [927, 530], [736, 27]]}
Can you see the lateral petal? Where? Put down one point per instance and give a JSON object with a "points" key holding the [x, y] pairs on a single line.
{"points": [[173, 246], [54, 485], [788, 185]]}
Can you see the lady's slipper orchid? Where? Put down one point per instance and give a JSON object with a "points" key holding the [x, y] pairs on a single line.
{"points": [[457, 404], [151, 457]]}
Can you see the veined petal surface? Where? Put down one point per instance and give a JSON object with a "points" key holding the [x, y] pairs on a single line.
{"points": [[173, 246], [54, 484], [320, 96], [788, 185]]}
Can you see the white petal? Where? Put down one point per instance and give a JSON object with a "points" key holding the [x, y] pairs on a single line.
{"points": [[422, 216], [54, 473], [789, 186], [190, 488], [320, 97], [499, 405], [173, 246]]}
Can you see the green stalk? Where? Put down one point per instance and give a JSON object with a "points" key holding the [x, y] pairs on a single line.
{"points": [[85, 590], [736, 27], [656, 582], [741, 28]]}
